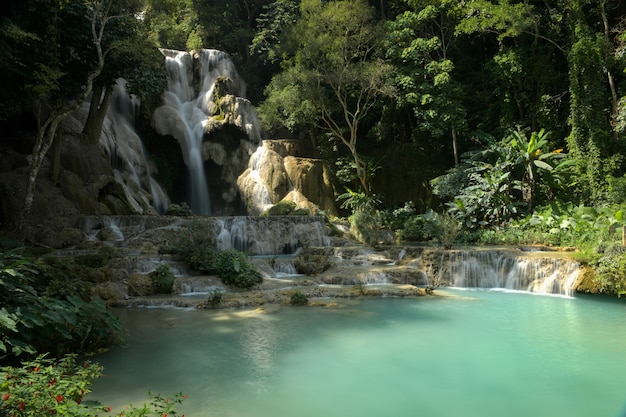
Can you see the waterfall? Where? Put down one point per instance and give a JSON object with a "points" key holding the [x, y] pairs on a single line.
{"points": [[506, 270], [270, 235], [259, 196], [131, 167], [190, 110]]}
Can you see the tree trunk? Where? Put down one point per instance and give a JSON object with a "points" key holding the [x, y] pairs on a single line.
{"points": [[55, 168], [97, 112], [45, 137], [47, 130], [455, 147]]}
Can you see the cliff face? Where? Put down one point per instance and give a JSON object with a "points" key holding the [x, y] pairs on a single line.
{"points": [[284, 170], [85, 184], [216, 164]]}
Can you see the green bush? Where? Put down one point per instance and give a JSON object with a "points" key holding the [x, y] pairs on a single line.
{"points": [[282, 208], [298, 299], [162, 279], [57, 387], [366, 227], [214, 298], [181, 209], [234, 269], [197, 248]]}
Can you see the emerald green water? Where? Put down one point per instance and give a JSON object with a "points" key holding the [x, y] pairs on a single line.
{"points": [[478, 353]]}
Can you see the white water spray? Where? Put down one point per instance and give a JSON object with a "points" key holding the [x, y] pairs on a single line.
{"points": [[188, 107], [131, 167]]}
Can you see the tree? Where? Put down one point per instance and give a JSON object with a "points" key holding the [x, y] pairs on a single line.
{"points": [[54, 104], [334, 76], [491, 185], [418, 43], [592, 140]]}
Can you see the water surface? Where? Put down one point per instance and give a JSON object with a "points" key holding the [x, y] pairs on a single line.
{"points": [[477, 353]]}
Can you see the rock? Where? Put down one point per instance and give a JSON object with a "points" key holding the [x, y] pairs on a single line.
{"points": [[312, 178], [140, 285], [110, 292]]}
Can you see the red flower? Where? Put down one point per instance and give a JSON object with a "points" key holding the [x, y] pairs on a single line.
{"points": [[6, 396], [107, 409], [59, 398], [185, 396], [21, 407]]}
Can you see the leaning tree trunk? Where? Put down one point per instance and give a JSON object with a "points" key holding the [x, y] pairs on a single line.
{"points": [[97, 112], [45, 138], [47, 130]]}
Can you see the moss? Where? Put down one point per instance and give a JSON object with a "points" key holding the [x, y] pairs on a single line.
{"points": [[283, 208], [587, 283]]}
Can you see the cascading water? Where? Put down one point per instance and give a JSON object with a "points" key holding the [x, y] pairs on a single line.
{"points": [[507, 270], [188, 106], [260, 198], [131, 167]]}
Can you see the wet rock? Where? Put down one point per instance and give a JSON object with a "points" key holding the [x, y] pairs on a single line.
{"points": [[140, 285]]}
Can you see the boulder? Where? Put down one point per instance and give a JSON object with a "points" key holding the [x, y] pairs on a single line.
{"points": [[140, 285]]}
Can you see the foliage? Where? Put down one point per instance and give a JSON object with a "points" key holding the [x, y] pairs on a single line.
{"points": [[366, 227], [282, 208], [196, 247], [418, 43], [45, 386], [181, 209], [430, 226], [332, 75], [36, 317], [358, 201], [611, 268], [214, 298], [395, 219], [162, 279], [499, 182], [234, 269], [298, 299]]}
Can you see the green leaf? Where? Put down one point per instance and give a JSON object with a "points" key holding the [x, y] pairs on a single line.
{"points": [[543, 165]]}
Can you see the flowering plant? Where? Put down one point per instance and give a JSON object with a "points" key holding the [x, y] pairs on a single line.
{"points": [[57, 387]]}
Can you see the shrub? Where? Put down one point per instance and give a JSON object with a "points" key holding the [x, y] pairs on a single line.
{"points": [[181, 209], [215, 298], [234, 269], [162, 279], [56, 387], [197, 248], [366, 227], [282, 208], [298, 299]]}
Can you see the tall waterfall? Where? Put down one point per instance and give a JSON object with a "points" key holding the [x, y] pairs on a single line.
{"points": [[131, 167], [189, 112]]}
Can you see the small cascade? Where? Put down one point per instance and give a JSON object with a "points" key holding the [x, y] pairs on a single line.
{"points": [[112, 228], [285, 267], [270, 235], [505, 269], [259, 197], [131, 167]]}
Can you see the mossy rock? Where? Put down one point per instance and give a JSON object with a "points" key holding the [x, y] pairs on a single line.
{"points": [[283, 208]]}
